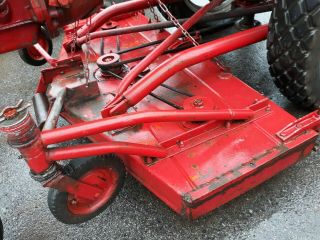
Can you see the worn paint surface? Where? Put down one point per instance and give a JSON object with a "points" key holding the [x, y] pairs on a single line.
{"points": [[208, 163]]}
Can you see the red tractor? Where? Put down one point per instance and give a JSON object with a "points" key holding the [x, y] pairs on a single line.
{"points": [[156, 103]]}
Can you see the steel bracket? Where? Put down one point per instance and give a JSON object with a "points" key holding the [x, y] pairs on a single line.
{"points": [[310, 121]]}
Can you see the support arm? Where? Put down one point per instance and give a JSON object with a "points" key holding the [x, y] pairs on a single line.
{"points": [[183, 60]]}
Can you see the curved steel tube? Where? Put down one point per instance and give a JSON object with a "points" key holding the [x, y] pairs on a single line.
{"points": [[134, 73], [126, 120], [116, 10], [185, 59], [95, 149], [236, 13]]}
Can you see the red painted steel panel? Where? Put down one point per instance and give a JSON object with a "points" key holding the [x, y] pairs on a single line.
{"points": [[209, 163]]}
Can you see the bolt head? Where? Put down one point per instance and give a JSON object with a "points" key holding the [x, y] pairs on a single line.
{"points": [[198, 103]]}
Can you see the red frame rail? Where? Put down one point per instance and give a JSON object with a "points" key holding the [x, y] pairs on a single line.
{"points": [[117, 122], [182, 60], [97, 149], [116, 10], [134, 73]]}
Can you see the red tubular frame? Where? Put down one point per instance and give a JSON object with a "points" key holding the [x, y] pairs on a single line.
{"points": [[185, 59], [102, 125], [96, 149], [134, 73], [116, 10]]}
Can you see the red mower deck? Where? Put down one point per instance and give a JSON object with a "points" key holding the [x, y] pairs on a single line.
{"points": [[208, 163], [156, 104]]}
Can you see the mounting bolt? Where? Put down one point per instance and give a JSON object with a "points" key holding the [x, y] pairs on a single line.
{"points": [[268, 109], [198, 103], [180, 144]]}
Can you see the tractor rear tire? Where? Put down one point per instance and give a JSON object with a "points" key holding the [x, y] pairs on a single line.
{"points": [[294, 50], [107, 173]]}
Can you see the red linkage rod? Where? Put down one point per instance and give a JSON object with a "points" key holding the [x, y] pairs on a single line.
{"points": [[126, 120], [96, 149], [116, 10], [134, 73], [183, 60]]}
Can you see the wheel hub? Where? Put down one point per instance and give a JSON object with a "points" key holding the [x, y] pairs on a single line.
{"points": [[106, 180]]}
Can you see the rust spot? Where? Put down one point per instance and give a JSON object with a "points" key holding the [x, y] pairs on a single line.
{"points": [[10, 113], [220, 181], [192, 154], [236, 173]]}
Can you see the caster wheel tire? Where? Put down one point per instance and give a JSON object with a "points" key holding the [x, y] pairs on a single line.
{"points": [[31, 56], [106, 172], [294, 50]]}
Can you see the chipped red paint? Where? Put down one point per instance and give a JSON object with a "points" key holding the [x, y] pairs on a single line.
{"points": [[225, 143], [208, 163]]}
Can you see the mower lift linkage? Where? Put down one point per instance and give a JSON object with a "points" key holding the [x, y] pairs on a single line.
{"points": [[236, 13], [223, 130], [182, 60], [23, 134], [32, 143], [156, 52]]}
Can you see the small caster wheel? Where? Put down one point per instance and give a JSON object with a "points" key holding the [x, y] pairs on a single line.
{"points": [[1, 230], [31, 56], [107, 173]]}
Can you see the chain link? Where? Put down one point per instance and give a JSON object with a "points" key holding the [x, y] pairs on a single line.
{"points": [[155, 16], [176, 23], [87, 52], [74, 37]]}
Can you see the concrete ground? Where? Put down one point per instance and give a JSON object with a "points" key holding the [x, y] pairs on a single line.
{"points": [[286, 207]]}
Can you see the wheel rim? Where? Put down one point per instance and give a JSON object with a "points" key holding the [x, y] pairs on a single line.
{"points": [[104, 178], [33, 52]]}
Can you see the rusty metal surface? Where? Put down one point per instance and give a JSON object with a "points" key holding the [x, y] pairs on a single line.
{"points": [[204, 159], [281, 208]]}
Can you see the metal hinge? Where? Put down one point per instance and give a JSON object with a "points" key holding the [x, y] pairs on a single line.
{"points": [[310, 121]]}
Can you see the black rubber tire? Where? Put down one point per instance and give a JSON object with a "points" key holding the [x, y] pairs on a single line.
{"points": [[182, 10], [57, 200], [294, 50], [179, 10], [24, 54], [1, 230]]}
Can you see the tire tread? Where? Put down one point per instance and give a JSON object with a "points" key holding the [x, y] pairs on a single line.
{"points": [[293, 28]]}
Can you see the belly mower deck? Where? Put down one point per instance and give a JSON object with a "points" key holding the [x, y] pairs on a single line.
{"points": [[208, 163], [186, 128]]}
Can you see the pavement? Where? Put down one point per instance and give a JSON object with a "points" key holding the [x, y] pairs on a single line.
{"points": [[285, 207]]}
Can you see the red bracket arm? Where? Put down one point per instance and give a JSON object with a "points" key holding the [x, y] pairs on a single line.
{"points": [[310, 121]]}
